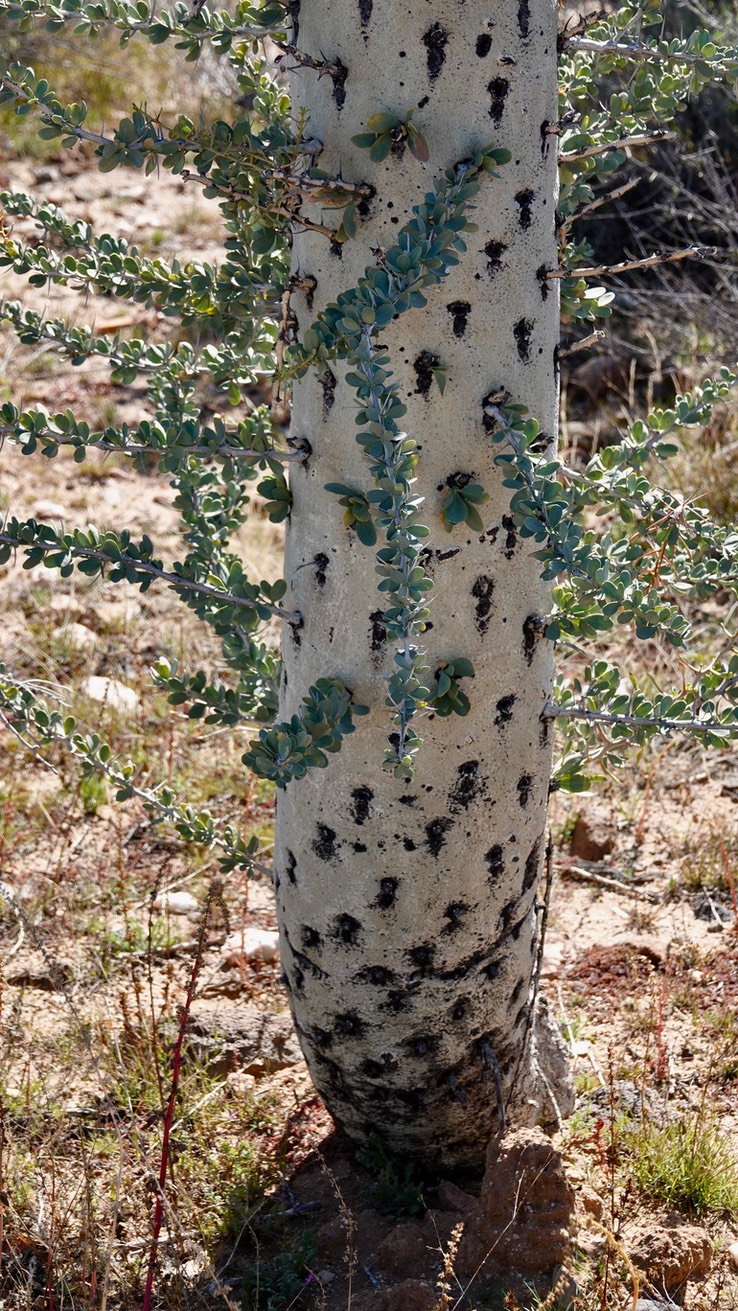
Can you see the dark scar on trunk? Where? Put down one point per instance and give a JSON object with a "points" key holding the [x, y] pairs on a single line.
{"points": [[515, 994], [295, 634], [336, 248], [454, 913], [505, 709], [291, 867], [494, 250], [379, 975], [484, 44], [525, 787], [482, 590], [522, 332], [397, 1000], [524, 17], [467, 787], [422, 956], [379, 632], [524, 200], [293, 9], [542, 280], [321, 1037], [321, 564], [407, 800], [408, 844], [497, 89], [307, 965], [362, 798], [327, 381], [423, 1044], [435, 41], [338, 77], [495, 861], [359, 846], [435, 835], [387, 894], [459, 1010], [310, 937], [459, 311], [365, 11], [424, 365], [531, 628], [531, 866], [511, 536], [350, 1025], [299, 981], [347, 928], [324, 845]]}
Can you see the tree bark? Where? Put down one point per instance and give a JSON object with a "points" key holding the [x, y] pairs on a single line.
{"points": [[408, 911]]}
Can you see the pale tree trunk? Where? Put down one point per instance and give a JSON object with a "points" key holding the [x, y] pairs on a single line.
{"points": [[408, 911]]}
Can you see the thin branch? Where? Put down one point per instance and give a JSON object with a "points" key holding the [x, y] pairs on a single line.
{"points": [[623, 143], [616, 194], [552, 711], [641, 52], [222, 451], [583, 344], [614, 885], [648, 262], [164, 575]]}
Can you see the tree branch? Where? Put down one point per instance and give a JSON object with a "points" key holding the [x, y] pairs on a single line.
{"points": [[552, 711], [648, 262], [623, 143], [642, 52]]}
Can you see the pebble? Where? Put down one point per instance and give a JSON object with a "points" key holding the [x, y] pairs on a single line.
{"points": [[251, 944], [177, 903], [110, 692], [77, 635], [733, 1255], [325, 1276], [49, 510], [651, 1304]]}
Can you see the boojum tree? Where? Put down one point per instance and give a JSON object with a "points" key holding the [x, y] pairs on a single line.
{"points": [[397, 244]]}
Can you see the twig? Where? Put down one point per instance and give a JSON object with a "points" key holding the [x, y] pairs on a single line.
{"points": [[622, 143], [649, 261], [640, 52], [587, 876], [582, 344], [552, 711]]}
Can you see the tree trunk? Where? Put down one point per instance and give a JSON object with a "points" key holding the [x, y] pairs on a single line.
{"points": [[408, 911]]}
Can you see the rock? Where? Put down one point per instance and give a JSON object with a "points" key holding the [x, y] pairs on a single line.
{"points": [[733, 1255], [403, 1249], [325, 1276], [651, 1304], [590, 1201], [49, 510], [64, 605], [31, 970], [177, 903], [410, 1295], [77, 636], [452, 1198], [242, 1037], [250, 944], [523, 1217], [371, 1230], [671, 1253], [594, 833], [110, 692]]}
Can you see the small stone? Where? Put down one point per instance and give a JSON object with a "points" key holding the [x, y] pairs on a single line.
{"points": [[242, 1037], [32, 970], [49, 510], [64, 605], [590, 1201], [325, 1276], [733, 1255], [251, 944], [671, 1253], [453, 1198], [177, 903], [594, 833], [76, 635], [110, 692], [651, 1304]]}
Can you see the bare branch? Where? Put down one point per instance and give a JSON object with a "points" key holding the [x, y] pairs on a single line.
{"points": [[648, 262], [583, 343], [642, 52], [623, 143], [552, 711]]}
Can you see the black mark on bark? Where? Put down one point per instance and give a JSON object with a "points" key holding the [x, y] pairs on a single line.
{"points": [[494, 250], [399, 999], [459, 311], [365, 11], [525, 787], [495, 861], [321, 1037], [515, 994], [339, 83], [458, 1011], [542, 280], [379, 632], [310, 937], [447, 555], [291, 867], [506, 914], [435, 41], [336, 248], [492, 970], [293, 9], [524, 201], [299, 981], [424, 365], [327, 381], [324, 845], [511, 536], [466, 788], [435, 835], [359, 846], [421, 1045], [498, 89], [321, 564], [408, 844], [531, 866], [350, 1025], [408, 800], [422, 103], [522, 332], [422, 956], [531, 629], [454, 913], [347, 929], [482, 591], [378, 975], [505, 709], [484, 44], [524, 17], [387, 894], [361, 797], [295, 634]]}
